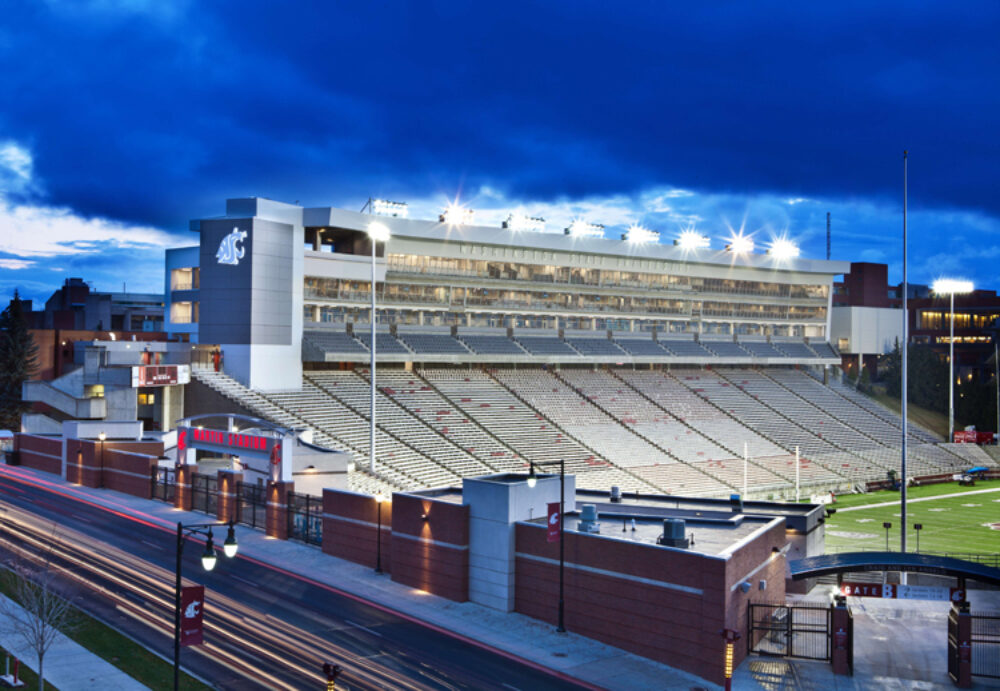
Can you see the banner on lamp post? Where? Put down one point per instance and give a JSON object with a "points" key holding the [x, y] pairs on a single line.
{"points": [[555, 521], [192, 603]]}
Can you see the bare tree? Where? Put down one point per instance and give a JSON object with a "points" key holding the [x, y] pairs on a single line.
{"points": [[38, 614]]}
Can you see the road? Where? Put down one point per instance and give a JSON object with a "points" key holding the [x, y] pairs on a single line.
{"points": [[265, 627]]}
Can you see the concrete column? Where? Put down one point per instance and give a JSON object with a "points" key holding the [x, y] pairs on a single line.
{"points": [[277, 509], [226, 507]]}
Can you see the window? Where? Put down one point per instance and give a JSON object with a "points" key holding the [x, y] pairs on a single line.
{"points": [[147, 399]]}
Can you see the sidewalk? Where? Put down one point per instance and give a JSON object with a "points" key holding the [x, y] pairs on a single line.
{"points": [[68, 665]]}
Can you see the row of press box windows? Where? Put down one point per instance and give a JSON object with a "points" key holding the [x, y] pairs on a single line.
{"points": [[454, 296], [340, 315], [472, 268]]}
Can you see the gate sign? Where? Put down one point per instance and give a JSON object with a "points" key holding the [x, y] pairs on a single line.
{"points": [[891, 591], [192, 602]]}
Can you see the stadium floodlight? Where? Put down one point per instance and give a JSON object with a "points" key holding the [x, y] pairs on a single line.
{"points": [[636, 234], [692, 240], [378, 232], [951, 287], [782, 248], [456, 215], [384, 207], [582, 229], [740, 244], [520, 222]]}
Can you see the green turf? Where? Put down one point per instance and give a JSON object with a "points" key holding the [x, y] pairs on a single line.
{"points": [[952, 525]]}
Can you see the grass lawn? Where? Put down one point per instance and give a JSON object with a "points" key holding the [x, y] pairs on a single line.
{"points": [[120, 651], [25, 674], [951, 524]]}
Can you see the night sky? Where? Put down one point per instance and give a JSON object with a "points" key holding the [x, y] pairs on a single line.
{"points": [[120, 120]]}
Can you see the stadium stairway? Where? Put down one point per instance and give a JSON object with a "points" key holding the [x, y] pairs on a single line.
{"points": [[361, 479]]}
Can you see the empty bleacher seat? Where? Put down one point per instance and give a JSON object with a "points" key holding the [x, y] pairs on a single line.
{"points": [[725, 348], [334, 341], [595, 346], [641, 346], [485, 344], [684, 348], [432, 343], [385, 343], [545, 345]]}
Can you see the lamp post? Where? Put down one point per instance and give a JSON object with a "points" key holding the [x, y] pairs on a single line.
{"points": [[377, 232], [379, 498], [101, 437], [887, 525], [532, 481], [950, 287], [208, 560], [918, 527]]}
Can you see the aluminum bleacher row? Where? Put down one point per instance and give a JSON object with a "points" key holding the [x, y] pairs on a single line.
{"points": [[413, 344], [687, 430]]}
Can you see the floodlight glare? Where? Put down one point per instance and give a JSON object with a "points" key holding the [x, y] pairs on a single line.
{"points": [[783, 249], [947, 286], [740, 244], [378, 232], [520, 222], [692, 240], [582, 229], [455, 215], [636, 234]]}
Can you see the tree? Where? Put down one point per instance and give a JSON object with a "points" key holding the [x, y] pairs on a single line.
{"points": [[927, 383], [18, 362], [40, 615]]}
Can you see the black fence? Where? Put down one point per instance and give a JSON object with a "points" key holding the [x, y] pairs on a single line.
{"points": [[205, 493], [801, 631], [164, 484], [251, 505], [986, 644], [305, 518]]}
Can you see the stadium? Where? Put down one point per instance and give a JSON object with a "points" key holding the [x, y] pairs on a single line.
{"points": [[676, 368]]}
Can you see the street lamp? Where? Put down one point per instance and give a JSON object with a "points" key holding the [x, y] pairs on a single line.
{"points": [[377, 232], [379, 498], [532, 481], [950, 287], [208, 561], [918, 527], [887, 525]]}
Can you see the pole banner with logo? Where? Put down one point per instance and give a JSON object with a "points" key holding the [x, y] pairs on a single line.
{"points": [[555, 521], [192, 602]]}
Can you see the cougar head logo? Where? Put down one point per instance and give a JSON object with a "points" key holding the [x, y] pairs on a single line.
{"points": [[230, 250], [192, 610]]}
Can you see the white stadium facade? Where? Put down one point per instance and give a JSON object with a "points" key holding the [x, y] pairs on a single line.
{"points": [[680, 368]]}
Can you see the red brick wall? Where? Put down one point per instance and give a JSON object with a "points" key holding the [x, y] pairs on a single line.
{"points": [[183, 498], [83, 462], [40, 453], [621, 604], [277, 509], [225, 508], [349, 525], [772, 569], [432, 554], [129, 472]]}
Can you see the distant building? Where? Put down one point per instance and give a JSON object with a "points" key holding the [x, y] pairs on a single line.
{"points": [[75, 306]]}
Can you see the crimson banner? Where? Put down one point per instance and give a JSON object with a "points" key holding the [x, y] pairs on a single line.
{"points": [[555, 521], [192, 602]]}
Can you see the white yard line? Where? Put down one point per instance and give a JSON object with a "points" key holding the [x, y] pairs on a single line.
{"points": [[914, 501]]}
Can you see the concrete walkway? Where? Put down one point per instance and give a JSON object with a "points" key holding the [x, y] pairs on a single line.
{"points": [[68, 665]]}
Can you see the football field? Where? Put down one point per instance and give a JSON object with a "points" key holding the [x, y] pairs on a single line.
{"points": [[956, 520]]}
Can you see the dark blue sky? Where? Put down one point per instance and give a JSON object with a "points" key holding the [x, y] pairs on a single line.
{"points": [[121, 120]]}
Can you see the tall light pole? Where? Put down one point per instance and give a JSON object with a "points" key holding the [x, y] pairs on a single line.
{"points": [[532, 480], [904, 375], [949, 287], [208, 559], [377, 232]]}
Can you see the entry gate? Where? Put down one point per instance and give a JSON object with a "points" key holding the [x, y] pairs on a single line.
{"points": [[204, 493], [305, 518], [985, 645], [251, 504], [789, 631], [164, 484]]}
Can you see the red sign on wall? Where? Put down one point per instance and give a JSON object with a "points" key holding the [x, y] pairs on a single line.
{"points": [[160, 375], [192, 602], [555, 522]]}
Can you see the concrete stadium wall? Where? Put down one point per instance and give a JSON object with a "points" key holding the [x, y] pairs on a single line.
{"points": [[431, 554]]}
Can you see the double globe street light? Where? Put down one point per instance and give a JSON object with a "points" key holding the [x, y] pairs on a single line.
{"points": [[209, 559]]}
